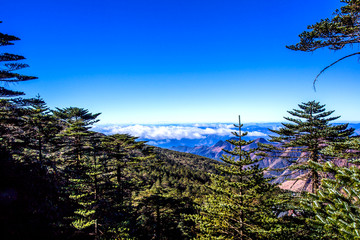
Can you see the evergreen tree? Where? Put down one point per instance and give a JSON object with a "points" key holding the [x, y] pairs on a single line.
{"points": [[240, 206], [124, 152], [161, 212], [9, 65], [81, 167], [306, 134], [41, 127], [336, 205], [85, 189], [124, 155], [76, 122], [11, 128], [336, 33]]}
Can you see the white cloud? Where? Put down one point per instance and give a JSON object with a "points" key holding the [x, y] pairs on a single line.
{"points": [[178, 132], [158, 132], [214, 125], [256, 134], [156, 143]]}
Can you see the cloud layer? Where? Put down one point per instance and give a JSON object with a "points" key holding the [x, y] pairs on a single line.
{"points": [[178, 132]]}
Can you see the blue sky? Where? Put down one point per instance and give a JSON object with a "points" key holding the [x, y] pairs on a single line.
{"points": [[178, 61]]}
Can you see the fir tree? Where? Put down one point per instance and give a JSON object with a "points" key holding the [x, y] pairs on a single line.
{"points": [[336, 204], [239, 207], [124, 151], [162, 212], [42, 128], [11, 128], [80, 166], [336, 33], [76, 122], [124, 154], [306, 134], [86, 189]]}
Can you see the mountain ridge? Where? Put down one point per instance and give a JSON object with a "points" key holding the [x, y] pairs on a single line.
{"points": [[277, 166]]}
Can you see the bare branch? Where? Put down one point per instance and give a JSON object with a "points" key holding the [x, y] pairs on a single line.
{"points": [[353, 54]]}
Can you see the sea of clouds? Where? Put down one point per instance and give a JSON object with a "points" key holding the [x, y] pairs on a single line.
{"points": [[172, 135], [178, 132]]}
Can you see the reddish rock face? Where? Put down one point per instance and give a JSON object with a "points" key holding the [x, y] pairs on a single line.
{"points": [[287, 179]]}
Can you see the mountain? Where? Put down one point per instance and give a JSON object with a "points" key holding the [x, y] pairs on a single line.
{"points": [[272, 162], [186, 160], [215, 151]]}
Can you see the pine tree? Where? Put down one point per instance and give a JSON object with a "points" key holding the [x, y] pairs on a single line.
{"points": [[7, 70], [161, 212], [335, 207], [80, 164], [336, 204], [336, 33], [31, 210], [306, 134], [123, 156], [11, 128], [86, 189], [41, 127], [76, 122], [124, 152], [240, 206]]}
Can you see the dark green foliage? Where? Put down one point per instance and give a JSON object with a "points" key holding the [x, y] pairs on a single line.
{"points": [[308, 131], [170, 183], [336, 204], [349, 149], [43, 127], [115, 187], [161, 211], [12, 122], [76, 135], [186, 172], [8, 66], [30, 200], [334, 208], [123, 158], [239, 206], [81, 167], [336, 33], [102, 186], [60, 180]]}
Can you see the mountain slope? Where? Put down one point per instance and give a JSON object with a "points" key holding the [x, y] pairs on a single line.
{"points": [[277, 165]]}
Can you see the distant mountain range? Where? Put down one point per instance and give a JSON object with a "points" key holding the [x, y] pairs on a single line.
{"points": [[215, 151], [287, 179]]}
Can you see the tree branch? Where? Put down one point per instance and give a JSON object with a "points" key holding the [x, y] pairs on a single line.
{"points": [[353, 54]]}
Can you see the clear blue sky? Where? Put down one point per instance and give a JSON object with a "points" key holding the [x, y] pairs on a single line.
{"points": [[178, 61]]}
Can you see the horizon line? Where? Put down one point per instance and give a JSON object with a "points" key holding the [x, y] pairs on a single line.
{"points": [[194, 123]]}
